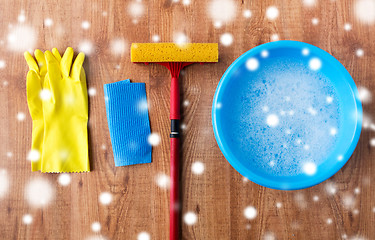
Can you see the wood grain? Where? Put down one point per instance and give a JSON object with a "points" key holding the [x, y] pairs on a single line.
{"points": [[218, 196]]}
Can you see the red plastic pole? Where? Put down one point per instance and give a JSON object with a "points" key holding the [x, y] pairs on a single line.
{"points": [[175, 140]]}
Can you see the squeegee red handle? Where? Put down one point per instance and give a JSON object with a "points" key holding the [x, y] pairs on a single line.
{"points": [[175, 142]]}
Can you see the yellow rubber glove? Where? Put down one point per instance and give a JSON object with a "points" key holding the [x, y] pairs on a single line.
{"points": [[65, 114], [34, 83]]}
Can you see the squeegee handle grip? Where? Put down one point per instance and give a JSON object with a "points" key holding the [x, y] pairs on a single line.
{"points": [[174, 207], [175, 145]]}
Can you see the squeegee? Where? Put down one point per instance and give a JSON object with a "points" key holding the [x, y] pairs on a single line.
{"points": [[175, 57]]}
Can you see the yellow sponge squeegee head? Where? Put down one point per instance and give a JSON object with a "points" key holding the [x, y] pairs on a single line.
{"points": [[172, 52]]}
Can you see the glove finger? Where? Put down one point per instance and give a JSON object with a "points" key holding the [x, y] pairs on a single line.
{"points": [[53, 76], [33, 90], [57, 55], [66, 61], [39, 55], [31, 62], [77, 66]]}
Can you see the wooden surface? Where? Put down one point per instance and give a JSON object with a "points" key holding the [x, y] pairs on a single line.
{"points": [[219, 196]]}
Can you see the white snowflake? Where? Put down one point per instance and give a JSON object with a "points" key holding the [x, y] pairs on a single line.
{"points": [[250, 212], [272, 12], [226, 39], [4, 183], [223, 11], [105, 198], [22, 38], [197, 168], [39, 192], [86, 25], [118, 46], [190, 218], [365, 11], [154, 139]]}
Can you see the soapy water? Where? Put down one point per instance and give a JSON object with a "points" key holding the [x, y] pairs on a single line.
{"points": [[287, 117]]}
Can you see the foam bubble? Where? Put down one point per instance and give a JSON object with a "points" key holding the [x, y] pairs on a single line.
{"points": [[316, 198], [252, 64], [279, 204], [365, 11], [272, 12], [226, 39], [329, 221], [21, 116], [223, 11], [39, 192], [250, 212], [186, 2], [190, 218]]}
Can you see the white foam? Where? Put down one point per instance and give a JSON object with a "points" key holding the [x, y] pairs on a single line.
{"points": [[285, 120]]}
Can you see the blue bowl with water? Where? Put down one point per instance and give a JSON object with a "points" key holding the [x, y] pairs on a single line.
{"points": [[287, 115]]}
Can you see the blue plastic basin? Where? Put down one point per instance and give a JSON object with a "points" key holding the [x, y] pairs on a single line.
{"points": [[286, 115]]}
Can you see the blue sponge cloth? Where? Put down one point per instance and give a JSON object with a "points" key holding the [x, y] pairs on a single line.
{"points": [[128, 122]]}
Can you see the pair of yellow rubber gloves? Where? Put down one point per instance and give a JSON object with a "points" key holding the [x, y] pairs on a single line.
{"points": [[57, 100]]}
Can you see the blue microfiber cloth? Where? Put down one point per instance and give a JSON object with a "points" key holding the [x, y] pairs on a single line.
{"points": [[128, 122]]}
